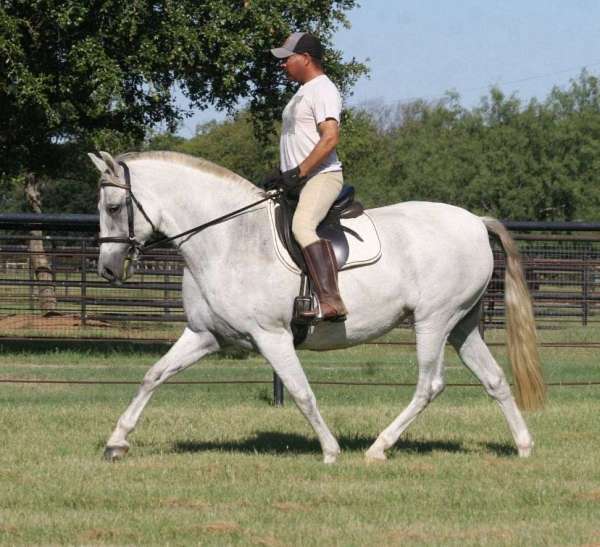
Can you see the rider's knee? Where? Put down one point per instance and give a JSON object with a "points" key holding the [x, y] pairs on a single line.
{"points": [[303, 230]]}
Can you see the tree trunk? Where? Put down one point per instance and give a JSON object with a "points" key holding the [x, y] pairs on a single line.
{"points": [[39, 261]]}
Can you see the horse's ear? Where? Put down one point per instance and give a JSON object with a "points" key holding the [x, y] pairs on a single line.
{"points": [[99, 163], [112, 164]]}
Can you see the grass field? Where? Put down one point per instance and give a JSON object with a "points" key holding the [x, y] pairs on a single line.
{"points": [[219, 465]]}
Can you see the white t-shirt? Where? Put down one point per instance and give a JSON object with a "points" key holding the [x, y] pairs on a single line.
{"points": [[315, 101]]}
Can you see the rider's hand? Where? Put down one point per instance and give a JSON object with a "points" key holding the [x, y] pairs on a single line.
{"points": [[291, 179], [272, 180]]}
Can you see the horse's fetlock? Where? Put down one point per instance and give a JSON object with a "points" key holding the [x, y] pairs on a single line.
{"points": [[421, 400], [125, 425]]}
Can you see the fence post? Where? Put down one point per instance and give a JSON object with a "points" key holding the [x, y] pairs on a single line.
{"points": [[31, 285], [586, 287], [166, 280], [83, 311], [277, 390]]}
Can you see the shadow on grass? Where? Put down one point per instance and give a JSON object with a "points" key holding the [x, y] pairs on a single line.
{"points": [[501, 449], [272, 442], [105, 346]]}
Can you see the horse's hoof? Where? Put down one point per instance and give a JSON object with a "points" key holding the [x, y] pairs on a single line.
{"points": [[525, 451], [376, 453], [330, 458], [115, 453], [375, 457]]}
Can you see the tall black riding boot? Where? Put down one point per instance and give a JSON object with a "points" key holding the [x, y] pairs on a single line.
{"points": [[322, 268]]}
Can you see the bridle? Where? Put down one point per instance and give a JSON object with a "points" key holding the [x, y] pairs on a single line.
{"points": [[135, 246], [130, 199]]}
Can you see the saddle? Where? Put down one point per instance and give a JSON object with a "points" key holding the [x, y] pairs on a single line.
{"points": [[330, 227]]}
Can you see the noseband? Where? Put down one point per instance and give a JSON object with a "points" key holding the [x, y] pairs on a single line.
{"points": [[135, 246]]}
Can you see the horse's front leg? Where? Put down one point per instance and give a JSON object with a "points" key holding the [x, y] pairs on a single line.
{"points": [[190, 347], [279, 350]]}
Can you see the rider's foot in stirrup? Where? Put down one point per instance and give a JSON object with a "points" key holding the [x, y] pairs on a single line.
{"points": [[331, 313]]}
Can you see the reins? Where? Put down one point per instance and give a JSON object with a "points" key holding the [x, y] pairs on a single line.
{"points": [[130, 200]]}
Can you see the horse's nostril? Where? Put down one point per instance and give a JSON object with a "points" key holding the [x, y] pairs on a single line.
{"points": [[107, 273]]}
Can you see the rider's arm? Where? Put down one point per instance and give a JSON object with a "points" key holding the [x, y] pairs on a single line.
{"points": [[330, 135]]}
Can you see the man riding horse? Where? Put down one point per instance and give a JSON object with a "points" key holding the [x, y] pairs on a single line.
{"points": [[308, 159]]}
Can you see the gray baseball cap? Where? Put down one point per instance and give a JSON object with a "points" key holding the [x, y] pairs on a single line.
{"points": [[299, 42]]}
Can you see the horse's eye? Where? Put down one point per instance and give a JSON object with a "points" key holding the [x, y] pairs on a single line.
{"points": [[113, 209]]}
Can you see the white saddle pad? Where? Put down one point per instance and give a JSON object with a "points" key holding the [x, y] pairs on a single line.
{"points": [[363, 251]]}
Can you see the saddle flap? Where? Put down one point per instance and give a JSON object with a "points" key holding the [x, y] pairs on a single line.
{"points": [[356, 242]]}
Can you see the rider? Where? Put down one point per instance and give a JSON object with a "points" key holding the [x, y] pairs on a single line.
{"points": [[310, 133]]}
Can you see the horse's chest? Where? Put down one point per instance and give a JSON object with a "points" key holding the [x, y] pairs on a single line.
{"points": [[218, 309]]}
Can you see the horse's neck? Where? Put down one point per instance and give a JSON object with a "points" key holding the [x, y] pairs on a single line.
{"points": [[190, 197]]}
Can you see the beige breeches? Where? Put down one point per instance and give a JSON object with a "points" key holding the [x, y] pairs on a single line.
{"points": [[316, 198]]}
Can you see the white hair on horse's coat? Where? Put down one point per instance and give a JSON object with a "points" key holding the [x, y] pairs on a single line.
{"points": [[194, 162]]}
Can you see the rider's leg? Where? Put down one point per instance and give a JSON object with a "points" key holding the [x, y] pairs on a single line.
{"points": [[316, 199]]}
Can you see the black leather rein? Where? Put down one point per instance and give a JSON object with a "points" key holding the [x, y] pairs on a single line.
{"points": [[136, 246]]}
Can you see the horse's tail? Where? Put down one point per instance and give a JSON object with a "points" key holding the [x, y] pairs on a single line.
{"points": [[520, 325]]}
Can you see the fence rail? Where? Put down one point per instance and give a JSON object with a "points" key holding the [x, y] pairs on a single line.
{"points": [[561, 262]]}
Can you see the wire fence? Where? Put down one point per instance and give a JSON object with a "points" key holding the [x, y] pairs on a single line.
{"points": [[50, 288]]}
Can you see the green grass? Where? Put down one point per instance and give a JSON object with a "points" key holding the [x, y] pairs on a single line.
{"points": [[219, 465]]}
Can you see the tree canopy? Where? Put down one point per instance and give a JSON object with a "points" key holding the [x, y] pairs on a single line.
{"points": [[81, 75], [77, 75]]}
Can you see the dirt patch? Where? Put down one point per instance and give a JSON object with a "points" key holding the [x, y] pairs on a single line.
{"points": [[49, 322], [269, 541], [422, 468], [6, 529], [399, 536], [221, 527], [291, 507], [593, 495], [176, 503], [106, 535]]}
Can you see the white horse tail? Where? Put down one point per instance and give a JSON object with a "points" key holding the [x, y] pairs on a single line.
{"points": [[520, 325]]}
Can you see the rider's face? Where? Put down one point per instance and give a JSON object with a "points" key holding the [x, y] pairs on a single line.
{"points": [[295, 66]]}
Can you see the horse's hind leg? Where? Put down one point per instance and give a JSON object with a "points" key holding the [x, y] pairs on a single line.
{"points": [[279, 350], [430, 353], [476, 356], [190, 347]]}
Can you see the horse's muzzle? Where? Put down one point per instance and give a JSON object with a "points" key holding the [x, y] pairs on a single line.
{"points": [[111, 262], [108, 274]]}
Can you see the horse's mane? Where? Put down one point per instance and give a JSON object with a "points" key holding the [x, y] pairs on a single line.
{"points": [[194, 162]]}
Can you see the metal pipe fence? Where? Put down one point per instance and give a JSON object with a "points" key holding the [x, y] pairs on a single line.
{"points": [[561, 263]]}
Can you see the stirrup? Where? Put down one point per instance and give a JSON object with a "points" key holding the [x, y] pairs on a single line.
{"points": [[305, 312]]}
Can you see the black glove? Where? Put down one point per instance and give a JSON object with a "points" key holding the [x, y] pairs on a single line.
{"points": [[288, 180], [272, 180], [291, 179]]}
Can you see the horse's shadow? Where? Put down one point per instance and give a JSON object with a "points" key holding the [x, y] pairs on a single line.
{"points": [[275, 442]]}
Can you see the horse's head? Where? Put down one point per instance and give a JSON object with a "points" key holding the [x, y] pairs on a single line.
{"points": [[122, 233]]}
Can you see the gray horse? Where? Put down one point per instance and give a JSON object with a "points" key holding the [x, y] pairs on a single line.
{"points": [[435, 265]]}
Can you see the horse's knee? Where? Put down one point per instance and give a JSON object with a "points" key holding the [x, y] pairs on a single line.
{"points": [[149, 383]]}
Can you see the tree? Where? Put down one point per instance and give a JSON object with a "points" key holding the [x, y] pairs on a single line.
{"points": [[234, 144], [77, 75]]}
